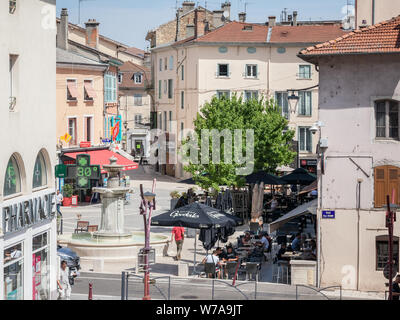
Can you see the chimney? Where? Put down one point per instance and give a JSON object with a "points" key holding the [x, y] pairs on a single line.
{"points": [[271, 21], [226, 7], [217, 18], [242, 16], [199, 22], [62, 30], [294, 18], [190, 30], [187, 6], [92, 33]]}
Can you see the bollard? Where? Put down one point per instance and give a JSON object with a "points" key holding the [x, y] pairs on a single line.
{"points": [[90, 291]]}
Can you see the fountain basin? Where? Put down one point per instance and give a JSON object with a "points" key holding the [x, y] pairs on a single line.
{"points": [[110, 254]]}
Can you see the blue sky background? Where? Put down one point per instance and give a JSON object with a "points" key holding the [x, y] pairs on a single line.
{"points": [[128, 21]]}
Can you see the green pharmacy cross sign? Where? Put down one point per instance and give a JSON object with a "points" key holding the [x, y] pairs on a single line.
{"points": [[82, 172]]}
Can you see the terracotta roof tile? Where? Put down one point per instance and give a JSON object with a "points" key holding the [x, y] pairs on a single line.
{"points": [[128, 69], [383, 37], [306, 34]]}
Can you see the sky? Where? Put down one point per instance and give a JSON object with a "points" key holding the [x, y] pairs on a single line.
{"points": [[128, 21]]}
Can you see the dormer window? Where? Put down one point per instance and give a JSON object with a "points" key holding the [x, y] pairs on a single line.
{"points": [[137, 78], [12, 6], [248, 28]]}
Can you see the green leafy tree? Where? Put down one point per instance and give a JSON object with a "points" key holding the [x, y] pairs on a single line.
{"points": [[271, 139]]}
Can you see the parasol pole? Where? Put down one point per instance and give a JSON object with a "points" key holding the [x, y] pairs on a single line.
{"points": [[195, 246]]}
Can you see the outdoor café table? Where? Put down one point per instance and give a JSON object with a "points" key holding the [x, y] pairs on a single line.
{"points": [[292, 255]]}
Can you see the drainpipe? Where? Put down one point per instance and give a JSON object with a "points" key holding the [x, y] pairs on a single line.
{"points": [[359, 181], [373, 12]]}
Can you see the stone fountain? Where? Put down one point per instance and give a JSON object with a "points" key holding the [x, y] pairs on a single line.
{"points": [[111, 248], [112, 199]]}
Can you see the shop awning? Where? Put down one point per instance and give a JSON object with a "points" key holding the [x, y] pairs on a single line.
{"points": [[309, 207], [309, 188], [73, 91], [101, 157]]}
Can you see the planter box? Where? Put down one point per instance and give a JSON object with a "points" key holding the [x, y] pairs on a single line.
{"points": [[67, 202]]}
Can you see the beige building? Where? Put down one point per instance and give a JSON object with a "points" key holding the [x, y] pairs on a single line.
{"points": [[369, 12], [360, 166], [240, 58], [28, 230]]}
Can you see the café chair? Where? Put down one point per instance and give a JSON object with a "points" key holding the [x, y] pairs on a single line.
{"points": [[209, 268], [231, 269], [253, 271]]}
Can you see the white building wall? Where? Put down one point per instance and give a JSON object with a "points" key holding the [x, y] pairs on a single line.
{"points": [[30, 33]]}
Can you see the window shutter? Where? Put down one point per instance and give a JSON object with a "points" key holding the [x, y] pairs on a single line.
{"points": [[380, 186], [393, 183]]}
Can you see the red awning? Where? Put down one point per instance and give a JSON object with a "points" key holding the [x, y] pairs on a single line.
{"points": [[73, 91], [101, 157]]}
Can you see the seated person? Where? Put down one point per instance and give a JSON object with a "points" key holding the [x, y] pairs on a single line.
{"points": [[312, 252], [281, 251], [246, 240], [274, 203], [296, 243], [213, 258], [264, 241], [230, 254], [221, 254]]}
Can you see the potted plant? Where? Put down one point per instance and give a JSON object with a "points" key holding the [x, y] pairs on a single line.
{"points": [[67, 191], [175, 195]]}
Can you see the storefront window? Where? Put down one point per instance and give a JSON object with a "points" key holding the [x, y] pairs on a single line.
{"points": [[13, 273], [12, 181], [40, 267], [39, 173]]}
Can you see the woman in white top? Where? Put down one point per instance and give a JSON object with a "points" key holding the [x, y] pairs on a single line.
{"points": [[213, 258], [64, 288]]}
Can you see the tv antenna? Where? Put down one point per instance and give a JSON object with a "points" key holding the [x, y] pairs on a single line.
{"points": [[79, 10]]}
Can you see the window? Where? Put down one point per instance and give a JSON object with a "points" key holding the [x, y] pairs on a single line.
{"points": [[159, 89], [182, 128], [137, 78], [72, 90], [138, 118], [160, 64], [183, 72], [251, 50], [223, 70], [170, 121], [12, 6], [386, 178], [305, 103], [137, 99], [226, 94], [281, 50], [13, 80], [40, 267], [165, 120], [88, 128], [182, 99], [171, 63], [251, 71], [382, 252], [14, 272], [282, 101], [165, 86], [223, 49], [305, 72], [165, 63], [39, 172], [387, 119], [12, 181], [110, 88], [89, 92], [72, 130], [170, 88], [305, 139], [159, 121], [251, 94]]}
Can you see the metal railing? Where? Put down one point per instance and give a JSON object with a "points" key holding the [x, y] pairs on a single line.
{"points": [[153, 281], [318, 291], [234, 287]]}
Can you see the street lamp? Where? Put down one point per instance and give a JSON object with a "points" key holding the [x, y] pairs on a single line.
{"points": [[146, 207], [293, 101]]}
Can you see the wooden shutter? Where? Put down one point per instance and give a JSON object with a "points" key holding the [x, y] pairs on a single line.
{"points": [[393, 183], [380, 186]]}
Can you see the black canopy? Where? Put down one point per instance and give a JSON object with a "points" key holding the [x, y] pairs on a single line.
{"points": [[299, 176], [262, 176], [194, 215]]}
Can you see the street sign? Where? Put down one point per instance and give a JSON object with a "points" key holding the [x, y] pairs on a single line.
{"points": [[328, 214], [61, 171]]}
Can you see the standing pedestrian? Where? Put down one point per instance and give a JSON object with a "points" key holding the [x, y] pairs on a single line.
{"points": [[64, 287], [396, 288], [59, 200], [179, 234]]}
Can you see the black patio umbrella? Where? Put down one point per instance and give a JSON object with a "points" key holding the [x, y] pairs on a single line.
{"points": [[262, 176], [196, 216], [299, 176]]}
